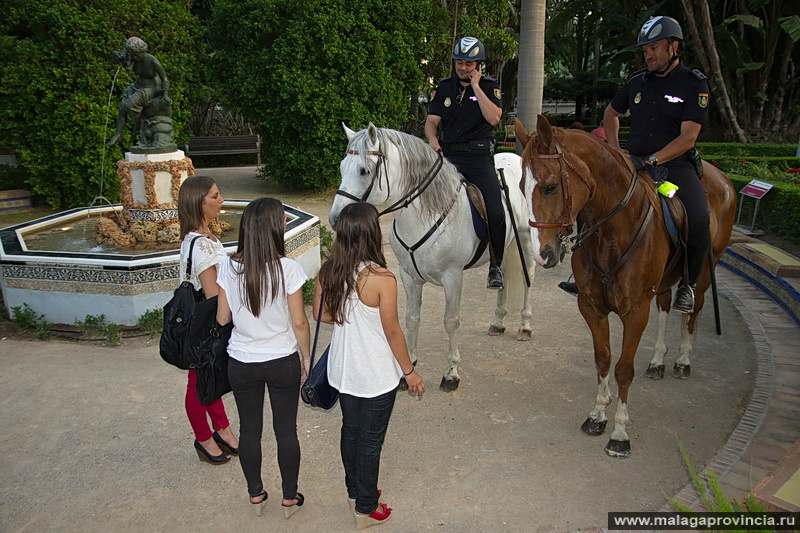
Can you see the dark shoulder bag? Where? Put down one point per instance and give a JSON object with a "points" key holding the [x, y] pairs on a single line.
{"points": [[316, 391], [178, 315], [209, 346]]}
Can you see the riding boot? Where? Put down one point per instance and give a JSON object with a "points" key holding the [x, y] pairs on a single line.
{"points": [[684, 296], [495, 278]]}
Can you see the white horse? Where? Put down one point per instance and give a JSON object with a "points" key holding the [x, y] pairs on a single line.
{"points": [[433, 235]]}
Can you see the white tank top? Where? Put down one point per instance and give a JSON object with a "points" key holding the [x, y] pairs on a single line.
{"points": [[360, 362]]}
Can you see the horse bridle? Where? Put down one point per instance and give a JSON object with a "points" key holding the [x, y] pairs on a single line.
{"points": [[566, 214], [405, 200], [375, 177]]}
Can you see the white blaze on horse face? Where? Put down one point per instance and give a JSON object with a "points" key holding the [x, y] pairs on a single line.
{"points": [[530, 186]]}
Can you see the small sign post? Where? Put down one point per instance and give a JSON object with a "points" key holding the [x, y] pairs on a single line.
{"points": [[755, 189]]}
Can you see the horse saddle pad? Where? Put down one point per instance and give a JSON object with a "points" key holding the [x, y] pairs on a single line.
{"points": [[675, 218], [478, 209]]}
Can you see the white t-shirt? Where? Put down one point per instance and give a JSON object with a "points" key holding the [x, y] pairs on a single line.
{"points": [[270, 336], [360, 361], [205, 254]]}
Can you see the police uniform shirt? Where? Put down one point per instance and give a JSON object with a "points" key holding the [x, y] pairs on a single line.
{"points": [[462, 120], [659, 105]]}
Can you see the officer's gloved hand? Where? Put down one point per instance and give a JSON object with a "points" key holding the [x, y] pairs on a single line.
{"points": [[638, 163], [659, 174]]}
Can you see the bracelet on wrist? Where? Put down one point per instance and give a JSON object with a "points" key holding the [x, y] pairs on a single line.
{"points": [[409, 372]]}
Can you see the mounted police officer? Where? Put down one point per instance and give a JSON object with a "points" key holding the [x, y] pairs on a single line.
{"points": [[668, 103], [468, 106]]}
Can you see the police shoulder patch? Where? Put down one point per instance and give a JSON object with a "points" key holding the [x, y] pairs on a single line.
{"points": [[497, 94], [702, 100], [699, 75]]}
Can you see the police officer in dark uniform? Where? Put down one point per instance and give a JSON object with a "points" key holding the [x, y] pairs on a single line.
{"points": [[668, 104], [468, 106]]}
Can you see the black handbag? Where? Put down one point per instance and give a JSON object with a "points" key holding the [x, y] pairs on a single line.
{"points": [[179, 313], [209, 344], [316, 391]]}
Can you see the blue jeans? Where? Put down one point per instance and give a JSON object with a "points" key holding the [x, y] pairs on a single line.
{"points": [[282, 380], [364, 424]]}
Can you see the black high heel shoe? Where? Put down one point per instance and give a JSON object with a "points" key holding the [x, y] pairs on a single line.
{"points": [[203, 455], [224, 445], [289, 510]]}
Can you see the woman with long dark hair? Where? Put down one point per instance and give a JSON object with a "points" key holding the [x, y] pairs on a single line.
{"points": [[261, 290], [199, 201], [368, 354]]}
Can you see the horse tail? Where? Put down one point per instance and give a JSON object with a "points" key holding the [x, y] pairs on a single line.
{"points": [[514, 279]]}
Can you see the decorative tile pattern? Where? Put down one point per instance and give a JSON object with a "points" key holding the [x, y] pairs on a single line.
{"points": [[153, 215]]}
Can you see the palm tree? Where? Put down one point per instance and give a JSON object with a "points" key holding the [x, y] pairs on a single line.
{"points": [[531, 61]]}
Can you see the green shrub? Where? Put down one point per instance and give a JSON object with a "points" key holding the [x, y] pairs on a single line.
{"points": [[151, 321], [778, 212], [758, 166], [92, 326], [56, 71], [712, 498], [300, 68], [113, 335], [746, 150], [43, 330], [24, 317]]}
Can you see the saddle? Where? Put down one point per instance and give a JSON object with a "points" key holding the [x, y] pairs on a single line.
{"points": [[480, 220]]}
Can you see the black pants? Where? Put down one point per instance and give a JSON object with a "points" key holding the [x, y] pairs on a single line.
{"points": [[690, 190], [282, 379], [479, 170], [364, 425]]}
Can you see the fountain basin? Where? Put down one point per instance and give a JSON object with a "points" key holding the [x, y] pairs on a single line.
{"points": [[66, 283]]}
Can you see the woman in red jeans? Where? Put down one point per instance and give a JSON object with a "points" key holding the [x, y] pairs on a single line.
{"points": [[199, 201]]}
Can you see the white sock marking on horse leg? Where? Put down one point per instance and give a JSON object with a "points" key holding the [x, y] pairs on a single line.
{"points": [[598, 414], [687, 342], [661, 340], [621, 420]]}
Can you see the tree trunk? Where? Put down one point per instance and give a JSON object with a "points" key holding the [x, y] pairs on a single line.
{"points": [[770, 40], [531, 62], [783, 81], [709, 50]]}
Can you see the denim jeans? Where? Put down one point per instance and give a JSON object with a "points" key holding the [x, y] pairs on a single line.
{"points": [[282, 380], [364, 424]]}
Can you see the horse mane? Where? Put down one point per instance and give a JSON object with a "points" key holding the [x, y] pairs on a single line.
{"points": [[415, 159]]}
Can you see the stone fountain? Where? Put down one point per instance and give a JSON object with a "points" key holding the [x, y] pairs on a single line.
{"points": [[122, 260]]}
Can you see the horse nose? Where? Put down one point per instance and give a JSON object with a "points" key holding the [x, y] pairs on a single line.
{"points": [[551, 257]]}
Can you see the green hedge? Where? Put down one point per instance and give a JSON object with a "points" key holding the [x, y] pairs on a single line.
{"points": [[746, 150], [769, 169], [779, 211]]}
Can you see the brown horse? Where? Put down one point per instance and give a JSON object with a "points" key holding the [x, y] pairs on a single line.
{"points": [[623, 256]]}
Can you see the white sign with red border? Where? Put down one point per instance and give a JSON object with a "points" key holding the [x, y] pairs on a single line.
{"points": [[756, 189]]}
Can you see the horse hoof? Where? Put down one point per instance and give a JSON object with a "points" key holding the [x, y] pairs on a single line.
{"points": [[449, 385], [593, 427], [619, 448], [403, 386], [655, 372], [681, 371], [494, 331], [524, 335]]}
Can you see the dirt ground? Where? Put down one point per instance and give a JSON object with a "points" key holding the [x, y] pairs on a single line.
{"points": [[96, 439]]}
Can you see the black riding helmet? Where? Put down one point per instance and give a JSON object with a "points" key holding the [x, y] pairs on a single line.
{"points": [[469, 49], [658, 28]]}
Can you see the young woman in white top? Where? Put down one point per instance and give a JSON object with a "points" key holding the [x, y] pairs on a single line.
{"points": [[368, 354], [262, 292], [199, 201]]}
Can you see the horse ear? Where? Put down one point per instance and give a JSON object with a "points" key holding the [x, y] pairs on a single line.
{"points": [[545, 134], [372, 132], [350, 133], [520, 132]]}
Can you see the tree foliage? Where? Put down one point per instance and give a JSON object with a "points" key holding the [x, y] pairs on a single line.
{"points": [[299, 68], [55, 75]]}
